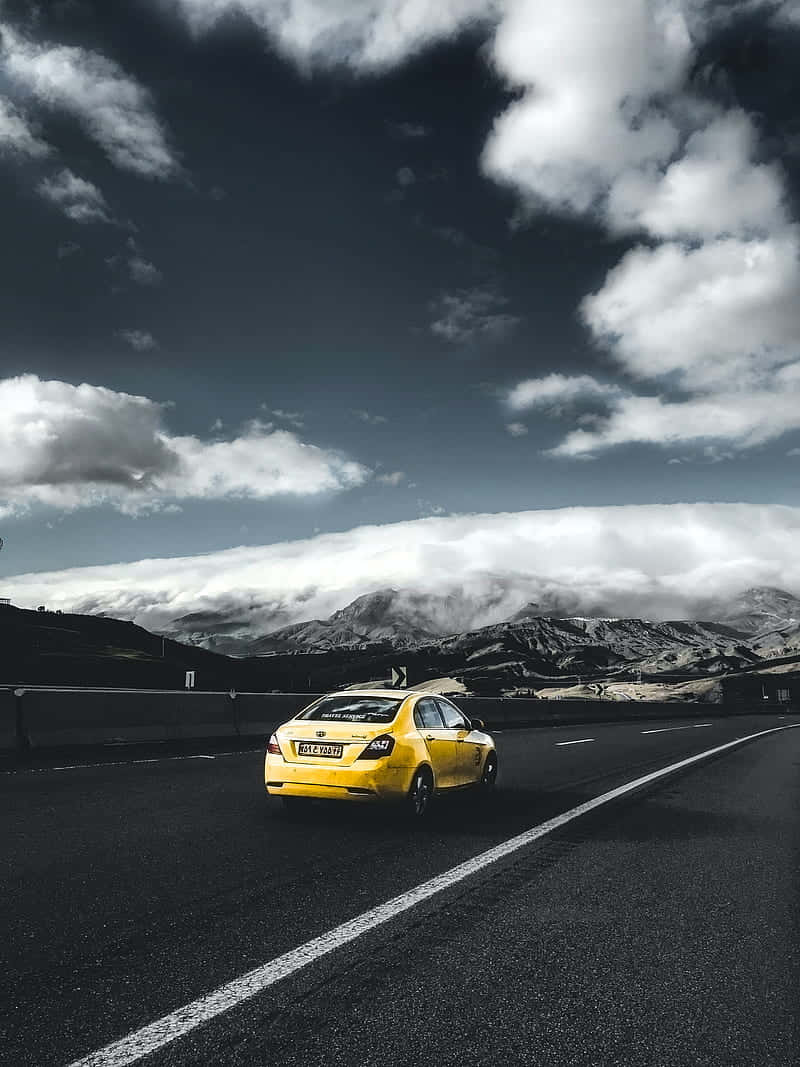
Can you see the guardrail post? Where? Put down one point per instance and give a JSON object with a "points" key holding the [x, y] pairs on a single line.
{"points": [[23, 741], [233, 711]]}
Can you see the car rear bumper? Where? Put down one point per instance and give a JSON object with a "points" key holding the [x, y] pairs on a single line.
{"points": [[375, 782]]}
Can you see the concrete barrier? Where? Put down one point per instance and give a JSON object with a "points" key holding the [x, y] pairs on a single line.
{"points": [[199, 715], [510, 711], [519, 711], [55, 718]]}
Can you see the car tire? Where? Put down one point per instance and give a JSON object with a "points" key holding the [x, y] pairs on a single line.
{"points": [[489, 775], [420, 794]]}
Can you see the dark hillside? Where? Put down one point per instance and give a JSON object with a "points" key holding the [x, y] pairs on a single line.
{"points": [[52, 648]]}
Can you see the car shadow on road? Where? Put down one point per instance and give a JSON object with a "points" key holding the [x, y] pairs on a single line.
{"points": [[500, 815]]}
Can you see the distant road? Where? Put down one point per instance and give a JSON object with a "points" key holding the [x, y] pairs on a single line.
{"points": [[661, 928]]}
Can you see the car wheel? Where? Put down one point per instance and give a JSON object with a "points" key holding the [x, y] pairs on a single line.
{"points": [[489, 776], [420, 794]]}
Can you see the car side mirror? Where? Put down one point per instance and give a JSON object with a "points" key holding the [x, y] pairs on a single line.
{"points": [[477, 724]]}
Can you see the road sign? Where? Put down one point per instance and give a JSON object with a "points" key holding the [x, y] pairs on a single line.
{"points": [[190, 679], [400, 677]]}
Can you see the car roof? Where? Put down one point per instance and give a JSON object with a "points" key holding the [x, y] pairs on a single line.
{"points": [[385, 692]]}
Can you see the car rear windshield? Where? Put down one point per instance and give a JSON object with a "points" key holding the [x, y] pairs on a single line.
{"points": [[352, 709]]}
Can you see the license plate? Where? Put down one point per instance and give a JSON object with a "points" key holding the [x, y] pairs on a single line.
{"points": [[315, 748]]}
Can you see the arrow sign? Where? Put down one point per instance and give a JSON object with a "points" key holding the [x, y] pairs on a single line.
{"points": [[400, 677]]}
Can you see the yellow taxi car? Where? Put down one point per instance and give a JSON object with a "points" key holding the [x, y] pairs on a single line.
{"points": [[379, 744]]}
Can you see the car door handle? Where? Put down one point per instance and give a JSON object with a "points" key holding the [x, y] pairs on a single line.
{"points": [[429, 737]]}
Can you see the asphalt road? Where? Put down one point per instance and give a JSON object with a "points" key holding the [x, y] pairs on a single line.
{"points": [[663, 928]]}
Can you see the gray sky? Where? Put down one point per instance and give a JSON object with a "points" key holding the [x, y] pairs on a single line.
{"points": [[276, 270]]}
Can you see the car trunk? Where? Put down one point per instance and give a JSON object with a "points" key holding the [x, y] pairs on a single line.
{"points": [[334, 743]]}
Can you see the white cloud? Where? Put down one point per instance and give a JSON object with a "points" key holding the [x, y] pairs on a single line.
{"points": [[591, 75], [607, 125], [69, 447], [395, 478], [517, 429], [715, 189], [744, 419], [362, 34], [369, 418], [427, 508], [143, 272], [409, 130], [139, 340], [79, 199], [720, 314], [17, 135], [557, 389], [741, 418], [787, 12], [294, 418], [139, 269], [652, 561], [113, 107], [472, 315]]}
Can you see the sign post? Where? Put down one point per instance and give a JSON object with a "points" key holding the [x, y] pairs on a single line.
{"points": [[399, 677]]}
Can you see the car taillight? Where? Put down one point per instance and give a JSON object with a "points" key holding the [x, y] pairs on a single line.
{"points": [[273, 747], [379, 746]]}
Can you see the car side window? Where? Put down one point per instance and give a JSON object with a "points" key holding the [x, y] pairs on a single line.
{"points": [[453, 719], [426, 715]]}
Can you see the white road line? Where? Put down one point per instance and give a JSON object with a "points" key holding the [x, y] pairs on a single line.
{"points": [[178, 1023], [668, 729], [117, 763], [580, 741]]}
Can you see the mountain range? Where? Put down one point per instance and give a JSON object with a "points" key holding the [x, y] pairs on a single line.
{"points": [[528, 651], [755, 625]]}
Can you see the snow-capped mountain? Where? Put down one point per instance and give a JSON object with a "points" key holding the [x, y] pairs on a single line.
{"points": [[760, 609], [758, 623], [404, 618]]}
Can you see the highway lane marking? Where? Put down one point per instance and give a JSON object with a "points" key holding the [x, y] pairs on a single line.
{"points": [[668, 729], [580, 741], [120, 763], [143, 1042]]}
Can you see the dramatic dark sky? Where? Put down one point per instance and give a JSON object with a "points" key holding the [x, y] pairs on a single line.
{"points": [[323, 264]]}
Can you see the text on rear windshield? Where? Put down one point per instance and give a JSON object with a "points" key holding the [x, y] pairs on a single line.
{"points": [[353, 709]]}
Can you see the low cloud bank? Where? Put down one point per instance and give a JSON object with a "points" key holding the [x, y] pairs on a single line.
{"points": [[654, 561]]}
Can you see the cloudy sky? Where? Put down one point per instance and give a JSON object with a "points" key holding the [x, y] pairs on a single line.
{"points": [[276, 270]]}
